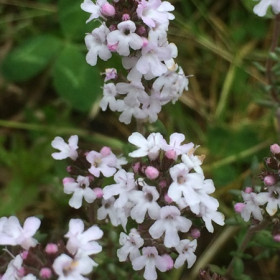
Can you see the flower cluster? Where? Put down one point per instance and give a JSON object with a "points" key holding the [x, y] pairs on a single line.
{"points": [[55, 260], [164, 193], [265, 199], [137, 31], [261, 8], [87, 170]]}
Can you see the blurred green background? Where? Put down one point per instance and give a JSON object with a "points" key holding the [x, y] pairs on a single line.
{"points": [[47, 89]]}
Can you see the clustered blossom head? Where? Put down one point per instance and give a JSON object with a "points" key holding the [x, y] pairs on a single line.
{"points": [[33, 261], [164, 194], [261, 8], [87, 170], [137, 31], [263, 202]]}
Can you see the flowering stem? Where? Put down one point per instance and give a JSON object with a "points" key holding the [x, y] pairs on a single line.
{"points": [[243, 245], [269, 62]]}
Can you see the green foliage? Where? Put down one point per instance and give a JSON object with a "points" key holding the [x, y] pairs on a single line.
{"points": [[76, 81], [30, 58]]}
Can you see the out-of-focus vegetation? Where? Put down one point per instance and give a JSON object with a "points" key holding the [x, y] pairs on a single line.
{"points": [[47, 89]]}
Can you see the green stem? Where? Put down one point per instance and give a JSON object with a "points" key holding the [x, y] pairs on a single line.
{"points": [[269, 62], [243, 245]]}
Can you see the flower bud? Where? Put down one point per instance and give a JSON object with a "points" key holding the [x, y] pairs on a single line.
{"points": [[238, 207], [163, 184], [248, 190], [168, 199], [24, 255], [141, 30], [51, 248], [168, 261], [195, 233], [67, 180], [151, 172], [105, 151], [275, 149], [136, 166], [98, 192], [45, 273], [20, 272], [108, 10], [269, 180], [276, 237], [171, 154], [113, 48], [125, 17]]}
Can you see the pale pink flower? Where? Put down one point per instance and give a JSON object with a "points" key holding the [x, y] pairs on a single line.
{"points": [[186, 250], [130, 245], [66, 150], [80, 189], [125, 38], [96, 45], [93, 9], [13, 234], [147, 147], [68, 268], [83, 242], [150, 260], [169, 223], [261, 8]]}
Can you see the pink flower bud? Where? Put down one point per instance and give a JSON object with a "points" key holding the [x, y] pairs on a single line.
{"points": [[163, 184], [275, 149], [145, 42], [269, 180], [112, 27], [24, 255], [276, 237], [91, 178], [195, 233], [108, 10], [171, 154], [51, 248], [141, 30], [151, 172], [98, 192], [248, 190], [45, 273], [238, 207], [168, 199], [136, 166], [112, 48], [105, 151], [168, 261], [67, 180], [125, 17], [21, 272], [69, 168]]}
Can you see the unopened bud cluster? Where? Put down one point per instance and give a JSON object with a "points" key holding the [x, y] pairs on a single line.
{"points": [[137, 31], [164, 194]]}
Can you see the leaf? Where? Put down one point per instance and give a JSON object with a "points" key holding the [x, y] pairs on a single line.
{"points": [[75, 80], [30, 58], [72, 19]]}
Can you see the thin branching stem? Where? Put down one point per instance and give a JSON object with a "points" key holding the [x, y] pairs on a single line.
{"points": [[269, 62]]}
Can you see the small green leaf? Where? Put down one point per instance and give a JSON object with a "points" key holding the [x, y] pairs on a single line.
{"points": [[75, 80], [72, 19], [238, 268], [28, 59]]}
